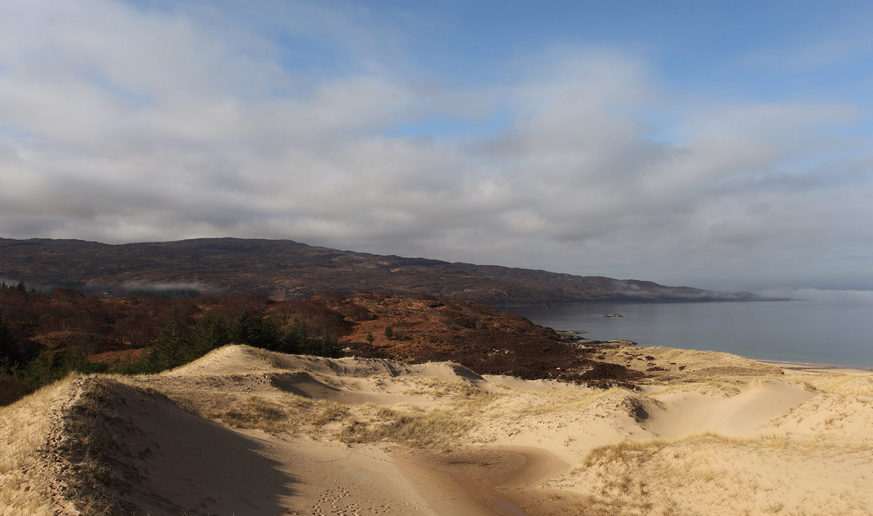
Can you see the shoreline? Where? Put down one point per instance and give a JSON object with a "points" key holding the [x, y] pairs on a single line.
{"points": [[809, 366], [817, 334], [575, 337], [787, 364]]}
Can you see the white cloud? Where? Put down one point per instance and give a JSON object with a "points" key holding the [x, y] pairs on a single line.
{"points": [[127, 124]]}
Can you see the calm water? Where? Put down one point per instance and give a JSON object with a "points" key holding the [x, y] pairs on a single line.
{"points": [[794, 331]]}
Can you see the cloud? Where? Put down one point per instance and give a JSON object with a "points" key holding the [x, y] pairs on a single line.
{"points": [[847, 297], [851, 42], [123, 122], [166, 287]]}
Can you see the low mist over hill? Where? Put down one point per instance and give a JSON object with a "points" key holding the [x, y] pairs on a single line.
{"points": [[284, 269]]}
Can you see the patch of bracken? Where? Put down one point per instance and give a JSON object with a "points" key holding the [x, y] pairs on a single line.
{"points": [[480, 338]]}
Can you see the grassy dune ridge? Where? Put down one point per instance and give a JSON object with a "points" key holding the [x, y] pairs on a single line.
{"points": [[750, 440]]}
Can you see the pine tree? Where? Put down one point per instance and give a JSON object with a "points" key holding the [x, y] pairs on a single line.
{"points": [[242, 328], [264, 333], [210, 333], [170, 350], [294, 338], [8, 348], [328, 346]]}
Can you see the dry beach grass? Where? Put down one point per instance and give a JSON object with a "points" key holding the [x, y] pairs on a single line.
{"points": [[246, 431]]}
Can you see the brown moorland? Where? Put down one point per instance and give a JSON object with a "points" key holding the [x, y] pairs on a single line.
{"points": [[46, 337], [283, 269]]}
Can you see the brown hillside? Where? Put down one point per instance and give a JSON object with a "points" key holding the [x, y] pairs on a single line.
{"points": [[282, 269], [486, 340], [43, 337]]}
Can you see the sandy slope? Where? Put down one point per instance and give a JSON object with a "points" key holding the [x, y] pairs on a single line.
{"points": [[243, 431]]}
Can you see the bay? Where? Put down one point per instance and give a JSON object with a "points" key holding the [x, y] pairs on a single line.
{"points": [[810, 332]]}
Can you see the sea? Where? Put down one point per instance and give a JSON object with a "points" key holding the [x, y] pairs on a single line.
{"points": [[804, 332]]}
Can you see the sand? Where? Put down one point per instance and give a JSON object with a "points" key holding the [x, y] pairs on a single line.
{"points": [[242, 431]]}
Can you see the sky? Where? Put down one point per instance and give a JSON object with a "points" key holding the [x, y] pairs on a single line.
{"points": [[723, 145]]}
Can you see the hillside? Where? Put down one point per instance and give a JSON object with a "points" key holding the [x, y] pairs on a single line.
{"points": [[283, 269], [43, 338]]}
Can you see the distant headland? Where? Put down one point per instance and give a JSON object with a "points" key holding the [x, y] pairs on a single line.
{"points": [[284, 269]]}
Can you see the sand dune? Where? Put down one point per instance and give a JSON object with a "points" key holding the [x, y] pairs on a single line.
{"points": [[745, 414], [243, 431]]}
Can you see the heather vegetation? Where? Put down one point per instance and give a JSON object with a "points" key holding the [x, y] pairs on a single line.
{"points": [[43, 338]]}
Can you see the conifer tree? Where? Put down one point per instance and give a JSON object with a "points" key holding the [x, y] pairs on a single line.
{"points": [[210, 333], [242, 328], [171, 347], [8, 351], [294, 338], [264, 333]]}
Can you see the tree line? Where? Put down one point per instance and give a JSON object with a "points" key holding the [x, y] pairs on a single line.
{"points": [[44, 338]]}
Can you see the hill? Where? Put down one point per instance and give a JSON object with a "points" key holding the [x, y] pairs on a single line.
{"points": [[247, 431], [283, 269]]}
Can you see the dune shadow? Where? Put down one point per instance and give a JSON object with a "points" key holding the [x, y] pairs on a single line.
{"points": [[160, 459], [303, 384]]}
